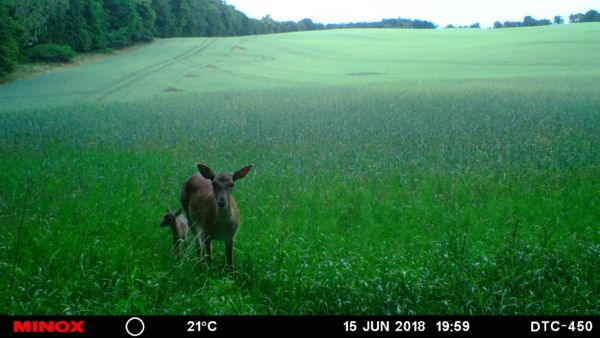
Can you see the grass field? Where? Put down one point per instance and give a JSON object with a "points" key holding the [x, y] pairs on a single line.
{"points": [[397, 172]]}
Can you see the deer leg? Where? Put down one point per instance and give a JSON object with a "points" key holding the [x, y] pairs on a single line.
{"points": [[199, 245], [177, 248], [208, 246], [195, 230], [229, 252]]}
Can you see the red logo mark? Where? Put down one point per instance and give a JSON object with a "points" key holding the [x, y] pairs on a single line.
{"points": [[40, 326]]}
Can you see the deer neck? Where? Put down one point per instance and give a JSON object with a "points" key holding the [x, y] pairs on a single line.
{"points": [[224, 214]]}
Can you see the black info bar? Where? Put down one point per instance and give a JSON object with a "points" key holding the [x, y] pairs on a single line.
{"points": [[349, 326]]}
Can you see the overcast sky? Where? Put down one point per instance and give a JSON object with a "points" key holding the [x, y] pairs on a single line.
{"points": [[440, 12]]}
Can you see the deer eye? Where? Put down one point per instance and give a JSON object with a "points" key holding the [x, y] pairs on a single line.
{"points": [[230, 185]]}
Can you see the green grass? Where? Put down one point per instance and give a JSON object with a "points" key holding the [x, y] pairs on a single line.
{"points": [[397, 172]]}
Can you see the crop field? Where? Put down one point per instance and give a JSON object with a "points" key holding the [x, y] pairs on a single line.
{"points": [[396, 172]]}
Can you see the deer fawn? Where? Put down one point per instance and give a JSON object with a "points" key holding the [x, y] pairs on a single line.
{"points": [[212, 211], [179, 228]]}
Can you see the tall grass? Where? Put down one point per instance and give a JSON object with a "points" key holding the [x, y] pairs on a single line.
{"points": [[456, 196]]}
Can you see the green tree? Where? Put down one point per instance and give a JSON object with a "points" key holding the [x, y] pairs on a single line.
{"points": [[544, 22], [529, 21], [9, 51], [511, 24], [32, 17], [164, 25], [558, 20], [267, 25], [234, 20], [122, 21], [575, 18], [182, 14], [306, 25], [71, 27], [95, 18], [216, 26], [147, 21], [591, 16], [198, 20]]}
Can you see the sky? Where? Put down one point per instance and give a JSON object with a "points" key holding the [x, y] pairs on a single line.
{"points": [[440, 12]]}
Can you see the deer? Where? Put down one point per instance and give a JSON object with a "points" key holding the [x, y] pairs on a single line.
{"points": [[179, 228], [212, 211]]}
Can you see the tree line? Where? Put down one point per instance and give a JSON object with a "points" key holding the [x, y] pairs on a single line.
{"points": [[88, 25], [387, 23], [528, 21]]}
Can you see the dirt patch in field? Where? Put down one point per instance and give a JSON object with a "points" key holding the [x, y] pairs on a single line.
{"points": [[211, 66], [190, 75], [238, 48], [365, 74], [171, 90]]}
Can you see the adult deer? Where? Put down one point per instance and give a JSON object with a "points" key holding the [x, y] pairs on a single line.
{"points": [[212, 211]]}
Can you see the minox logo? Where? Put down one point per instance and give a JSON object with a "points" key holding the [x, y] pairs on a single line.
{"points": [[40, 326]]}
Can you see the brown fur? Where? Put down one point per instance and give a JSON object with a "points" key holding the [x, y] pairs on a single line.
{"points": [[179, 228], [212, 211]]}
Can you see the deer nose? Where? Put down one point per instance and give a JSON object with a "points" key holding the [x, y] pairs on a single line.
{"points": [[222, 202]]}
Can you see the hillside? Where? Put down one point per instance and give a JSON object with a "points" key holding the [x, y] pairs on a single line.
{"points": [[562, 56]]}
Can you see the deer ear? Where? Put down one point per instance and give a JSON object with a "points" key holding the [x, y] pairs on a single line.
{"points": [[206, 172], [238, 175]]}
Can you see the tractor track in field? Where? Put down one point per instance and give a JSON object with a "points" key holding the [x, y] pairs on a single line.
{"points": [[216, 70], [294, 51], [77, 93], [248, 59], [130, 79]]}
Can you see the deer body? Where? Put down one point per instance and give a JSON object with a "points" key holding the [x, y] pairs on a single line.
{"points": [[212, 211]]}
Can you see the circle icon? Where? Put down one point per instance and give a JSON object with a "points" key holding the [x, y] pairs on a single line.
{"points": [[138, 320]]}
